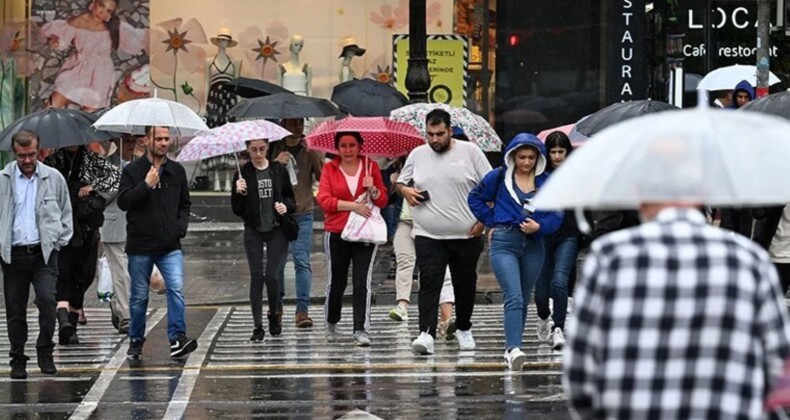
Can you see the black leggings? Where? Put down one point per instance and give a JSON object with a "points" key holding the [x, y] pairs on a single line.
{"points": [[276, 253], [76, 269]]}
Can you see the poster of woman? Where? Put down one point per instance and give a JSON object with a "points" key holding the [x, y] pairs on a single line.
{"points": [[96, 55]]}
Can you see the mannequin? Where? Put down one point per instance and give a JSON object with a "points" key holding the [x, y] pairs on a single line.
{"points": [[221, 69], [350, 50], [294, 75]]}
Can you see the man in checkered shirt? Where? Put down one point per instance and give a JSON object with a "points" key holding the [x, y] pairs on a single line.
{"points": [[675, 319]]}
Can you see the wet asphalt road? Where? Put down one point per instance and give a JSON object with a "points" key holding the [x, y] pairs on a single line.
{"points": [[296, 375]]}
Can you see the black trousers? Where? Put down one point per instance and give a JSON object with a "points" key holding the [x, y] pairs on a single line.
{"points": [[340, 255], [76, 270], [276, 253], [28, 267], [433, 257], [784, 275]]}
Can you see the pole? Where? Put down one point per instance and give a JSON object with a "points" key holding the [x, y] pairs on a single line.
{"points": [[763, 46], [418, 80], [485, 50]]}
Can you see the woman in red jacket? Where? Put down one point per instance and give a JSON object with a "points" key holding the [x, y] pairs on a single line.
{"points": [[343, 180]]}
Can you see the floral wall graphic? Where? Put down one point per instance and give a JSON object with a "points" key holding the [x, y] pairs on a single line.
{"points": [[82, 67], [172, 43], [264, 50]]}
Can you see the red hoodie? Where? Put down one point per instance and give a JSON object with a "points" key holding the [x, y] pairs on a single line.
{"points": [[333, 187]]}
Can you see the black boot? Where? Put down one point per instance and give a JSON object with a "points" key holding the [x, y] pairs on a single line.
{"points": [[275, 324], [66, 329], [73, 318], [46, 363], [18, 368]]}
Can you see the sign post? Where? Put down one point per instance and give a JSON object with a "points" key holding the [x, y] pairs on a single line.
{"points": [[448, 63]]}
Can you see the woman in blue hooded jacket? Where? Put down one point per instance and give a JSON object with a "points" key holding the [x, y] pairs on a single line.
{"points": [[502, 201]]}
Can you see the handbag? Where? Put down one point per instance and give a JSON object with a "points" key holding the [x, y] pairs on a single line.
{"points": [[290, 227], [372, 229]]}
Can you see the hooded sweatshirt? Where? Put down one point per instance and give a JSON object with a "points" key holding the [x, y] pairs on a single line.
{"points": [[498, 186], [745, 86]]}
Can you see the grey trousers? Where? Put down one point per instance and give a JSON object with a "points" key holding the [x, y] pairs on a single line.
{"points": [[116, 258]]}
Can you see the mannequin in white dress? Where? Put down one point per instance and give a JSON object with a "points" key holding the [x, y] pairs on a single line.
{"points": [[350, 50], [295, 75]]}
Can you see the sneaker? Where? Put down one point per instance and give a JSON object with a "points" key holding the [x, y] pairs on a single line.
{"points": [[558, 339], [182, 346], [123, 327], [465, 340], [257, 334], [515, 358], [544, 329], [82, 320], [423, 344], [303, 320], [331, 332], [446, 329], [399, 313], [135, 351], [46, 364], [361, 339], [18, 369]]}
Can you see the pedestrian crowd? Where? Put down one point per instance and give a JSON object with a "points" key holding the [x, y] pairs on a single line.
{"points": [[673, 317]]}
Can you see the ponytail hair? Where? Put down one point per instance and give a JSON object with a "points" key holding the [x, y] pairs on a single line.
{"points": [[114, 27]]}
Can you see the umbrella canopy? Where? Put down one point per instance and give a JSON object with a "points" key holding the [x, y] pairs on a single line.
{"points": [[284, 106], [133, 116], [620, 112], [775, 104], [367, 98], [253, 88], [725, 78], [569, 130], [708, 156], [475, 127], [56, 128], [382, 136], [230, 138]]}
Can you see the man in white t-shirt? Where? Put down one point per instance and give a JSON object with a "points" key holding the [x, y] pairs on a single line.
{"points": [[443, 172]]}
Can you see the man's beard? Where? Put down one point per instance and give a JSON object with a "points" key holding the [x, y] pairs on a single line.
{"points": [[442, 148]]}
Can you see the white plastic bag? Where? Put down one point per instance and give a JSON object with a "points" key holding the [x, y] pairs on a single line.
{"points": [[360, 229], [104, 290]]}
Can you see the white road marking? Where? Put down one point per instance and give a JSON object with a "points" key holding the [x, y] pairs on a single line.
{"points": [[96, 393], [180, 399]]}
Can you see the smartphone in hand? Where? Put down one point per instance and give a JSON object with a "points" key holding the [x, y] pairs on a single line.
{"points": [[425, 196]]}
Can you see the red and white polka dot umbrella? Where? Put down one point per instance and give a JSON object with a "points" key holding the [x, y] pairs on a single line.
{"points": [[382, 136]]}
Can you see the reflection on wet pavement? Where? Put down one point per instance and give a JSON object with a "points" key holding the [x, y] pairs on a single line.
{"points": [[296, 375]]}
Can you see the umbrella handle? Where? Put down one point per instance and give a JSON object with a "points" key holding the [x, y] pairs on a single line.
{"points": [[238, 165]]}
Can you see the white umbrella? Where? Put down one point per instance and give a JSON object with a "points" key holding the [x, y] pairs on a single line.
{"points": [[725, 78], [133, 116], [230, 138], [708, 156]]}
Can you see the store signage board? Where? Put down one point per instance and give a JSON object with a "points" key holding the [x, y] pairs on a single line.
{"points": [[626, 78], [448, 64]]}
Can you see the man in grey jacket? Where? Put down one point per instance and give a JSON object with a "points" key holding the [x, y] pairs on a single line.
{"points": [[35, 222]]}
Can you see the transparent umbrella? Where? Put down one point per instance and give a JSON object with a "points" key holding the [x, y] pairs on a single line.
{"points": [[708, 156], [133, 116], [725, 78]]}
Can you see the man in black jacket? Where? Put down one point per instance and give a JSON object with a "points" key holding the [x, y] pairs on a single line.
{"points": [[155, 196]]}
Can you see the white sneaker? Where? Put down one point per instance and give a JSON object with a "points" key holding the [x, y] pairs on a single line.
{"points": [[557, 339], [423, 344], [515, 358], [399, 313], [331, 332], [465, 340], [544, 329]]}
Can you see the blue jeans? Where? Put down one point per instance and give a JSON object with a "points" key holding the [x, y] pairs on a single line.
{"points": [[172, 267], [300, 252], [553, 282], [516, 260]]}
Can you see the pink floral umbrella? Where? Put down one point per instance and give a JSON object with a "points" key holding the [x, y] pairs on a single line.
{"points": [[382, 136], [230, 138]]}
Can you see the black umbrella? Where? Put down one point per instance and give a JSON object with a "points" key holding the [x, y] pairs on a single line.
{"points": [[619, 112], [775, 104], [253, 88], [283, 106], [367, 98], [56, 128]]}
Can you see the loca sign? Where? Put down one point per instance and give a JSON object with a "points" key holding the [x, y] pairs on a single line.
{"points": [[627, 76]]}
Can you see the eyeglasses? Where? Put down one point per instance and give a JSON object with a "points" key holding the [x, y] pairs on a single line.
{"points": [[26, 156]]}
